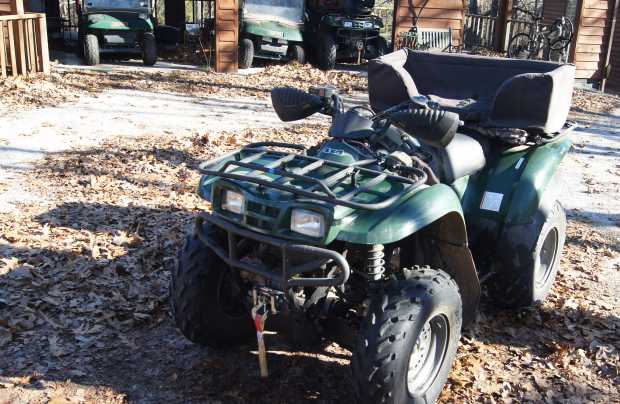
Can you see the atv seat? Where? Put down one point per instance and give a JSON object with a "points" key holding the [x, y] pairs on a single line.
{"points": [[491, 92]]}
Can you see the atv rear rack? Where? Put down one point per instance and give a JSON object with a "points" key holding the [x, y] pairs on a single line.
{"points": [[320, 187]]}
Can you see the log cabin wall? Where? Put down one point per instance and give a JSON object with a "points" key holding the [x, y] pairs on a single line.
{"points": [[436, 14], [592, 30]]}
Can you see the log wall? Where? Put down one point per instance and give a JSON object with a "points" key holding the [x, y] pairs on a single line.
{"points": [[436, 14]]}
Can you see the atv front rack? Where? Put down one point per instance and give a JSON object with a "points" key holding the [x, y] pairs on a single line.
{"points": [[339, 184]]}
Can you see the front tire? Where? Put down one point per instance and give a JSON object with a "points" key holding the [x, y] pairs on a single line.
{"points": [[90, 47], [296, 53], [206, 302], [530, 282], [326, 51], [149, 49], [408, 340], [246, 53]]}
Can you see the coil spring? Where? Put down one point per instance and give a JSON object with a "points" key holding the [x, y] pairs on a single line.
{"points": [[375, 264]]}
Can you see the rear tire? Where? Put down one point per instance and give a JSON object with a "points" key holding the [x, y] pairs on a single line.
{"points": [[149, 49], [408, 340], [246, 53], [90, 49], [530, 282], [326, 51], [202, 298], [296, 53]]}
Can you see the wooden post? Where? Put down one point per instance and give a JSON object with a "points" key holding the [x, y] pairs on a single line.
{"points": [[610, 43], [501, 25], [9, 26], [43, 54], [226, 35], [21, 47], [17, 7], [2, 51]]}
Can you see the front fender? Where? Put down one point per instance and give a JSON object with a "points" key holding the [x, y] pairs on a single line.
{"points": [[393, 224]]}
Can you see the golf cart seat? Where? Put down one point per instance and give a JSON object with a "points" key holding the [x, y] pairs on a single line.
{"points": [[490, 92]]}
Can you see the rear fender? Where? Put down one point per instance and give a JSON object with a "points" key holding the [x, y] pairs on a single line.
{"points": [[538, 186]]}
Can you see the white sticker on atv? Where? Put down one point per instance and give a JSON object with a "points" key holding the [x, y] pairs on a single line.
{"points": [[491, 201]]}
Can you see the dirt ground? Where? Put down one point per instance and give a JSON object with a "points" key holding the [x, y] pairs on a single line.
{"points": [[96, 203]]}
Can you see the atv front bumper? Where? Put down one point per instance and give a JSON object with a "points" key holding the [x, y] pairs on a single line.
{"points": [[288, 275]]}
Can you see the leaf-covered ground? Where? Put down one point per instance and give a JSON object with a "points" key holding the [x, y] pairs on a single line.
{"points": [[68, 85], [84, 314], [83, 293]]}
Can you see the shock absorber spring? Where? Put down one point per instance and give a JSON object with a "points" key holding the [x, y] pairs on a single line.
{"points": [[375, 264]]}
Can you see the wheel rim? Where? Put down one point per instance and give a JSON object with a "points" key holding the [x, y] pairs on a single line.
{"points": [[427, 355], [229, 296], [546, 258]]}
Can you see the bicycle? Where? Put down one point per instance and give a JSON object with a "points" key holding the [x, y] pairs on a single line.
{"points": [[555, 37]]}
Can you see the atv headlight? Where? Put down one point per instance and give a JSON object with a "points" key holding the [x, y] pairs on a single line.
{"points": [[143, 16], [233, 202], [308, 223]]}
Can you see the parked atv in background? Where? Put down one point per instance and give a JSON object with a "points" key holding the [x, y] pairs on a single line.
{"points": [[271, 29], [122, 27], [344, 30], [379, 236]]}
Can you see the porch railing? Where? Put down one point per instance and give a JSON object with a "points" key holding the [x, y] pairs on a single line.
{"points": [[23, 44], [479, 31]]}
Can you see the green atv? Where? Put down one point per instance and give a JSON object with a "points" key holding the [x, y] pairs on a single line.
{"points": [[116, 26], [379, 236], [271, 29]]}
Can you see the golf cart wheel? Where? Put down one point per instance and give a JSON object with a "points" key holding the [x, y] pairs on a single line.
{"points": [[522, 46], [246, 53], [408, 340], [529, 283], [149, 49], [326, 51], [90, 49], [206, 301], [296, 53]]}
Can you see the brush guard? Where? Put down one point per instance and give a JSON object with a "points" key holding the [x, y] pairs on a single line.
{"points": [[289, 276]]}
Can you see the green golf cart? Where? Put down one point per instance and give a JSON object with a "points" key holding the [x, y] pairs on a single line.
{"points": [[271, 29], [121, 27]]}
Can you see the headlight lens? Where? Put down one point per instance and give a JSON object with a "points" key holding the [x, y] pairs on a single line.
{"points": [[308, 223], [347, 24], [233, 202], [143, 16]]}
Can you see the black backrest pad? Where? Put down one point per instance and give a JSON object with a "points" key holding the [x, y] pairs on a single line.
{"points": [[514, 93]]}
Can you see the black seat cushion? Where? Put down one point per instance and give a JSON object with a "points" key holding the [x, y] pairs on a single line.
{"points": [[463, 156]]}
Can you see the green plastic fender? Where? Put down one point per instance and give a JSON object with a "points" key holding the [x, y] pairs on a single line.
{"points": [[390, 225], [272, 29], [533, 188], [117, 21]]}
